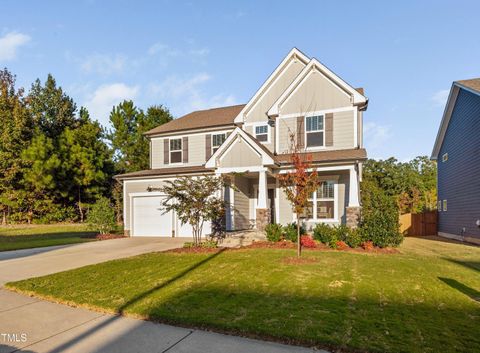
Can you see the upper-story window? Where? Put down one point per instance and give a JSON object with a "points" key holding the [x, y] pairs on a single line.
{"points": [[217, 141], [175, 150], [261, 133], [315, 132]]}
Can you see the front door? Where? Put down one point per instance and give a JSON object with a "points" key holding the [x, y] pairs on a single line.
{"points": [[271, 204]]}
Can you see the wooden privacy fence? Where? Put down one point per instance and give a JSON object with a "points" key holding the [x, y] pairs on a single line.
{"points": [[419, 224]]}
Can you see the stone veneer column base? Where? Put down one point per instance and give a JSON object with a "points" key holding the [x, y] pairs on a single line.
{"points": [[263, 218], [353, 215], [126, 232]]}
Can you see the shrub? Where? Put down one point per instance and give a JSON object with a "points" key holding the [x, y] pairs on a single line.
{"points": [[188, 244], [367, 245], [342, 232], [101, 216], [307, 241], [353, 238], [379, 217], [274, 232], [290, 231], [324, 233], [341, 245], [208, 244]]}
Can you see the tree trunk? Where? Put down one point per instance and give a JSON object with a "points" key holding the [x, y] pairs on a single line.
{"points": [[299, 244], [4, 217], [80, 211]]}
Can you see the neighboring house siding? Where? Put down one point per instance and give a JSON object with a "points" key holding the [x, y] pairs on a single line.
{"points": [[315, 93], [241, 203], [257, 112], [458, 177], [240, 155]]}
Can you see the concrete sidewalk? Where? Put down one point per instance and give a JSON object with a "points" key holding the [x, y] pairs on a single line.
{"points": [[55, 328], [33, 325]]}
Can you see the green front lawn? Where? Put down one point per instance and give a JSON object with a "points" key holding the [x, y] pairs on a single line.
{"points": [[424, 299], [35, 236]]}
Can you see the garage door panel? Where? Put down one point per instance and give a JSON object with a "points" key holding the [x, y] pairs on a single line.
{"points": [[149, 219]]}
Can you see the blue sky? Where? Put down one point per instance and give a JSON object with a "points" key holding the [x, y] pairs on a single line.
{"points": [[192, 55]]}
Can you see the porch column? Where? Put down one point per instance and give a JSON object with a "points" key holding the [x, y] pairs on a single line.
{"points": [[262, 190], [262, 212], [353, 211]]}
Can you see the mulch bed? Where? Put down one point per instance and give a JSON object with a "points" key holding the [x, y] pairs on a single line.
{"points": [[319, 247], [195, 250]]}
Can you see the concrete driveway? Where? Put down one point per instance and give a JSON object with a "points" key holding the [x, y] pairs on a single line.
{"points": [[33, 325]]}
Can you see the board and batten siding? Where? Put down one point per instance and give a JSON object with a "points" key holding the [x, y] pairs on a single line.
{"points": [[316, 92], [241, 209], [274, 91], [459, 176]]}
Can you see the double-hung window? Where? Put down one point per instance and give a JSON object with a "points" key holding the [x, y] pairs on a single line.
{"points": [[261, 133], [315, 132], [321, 203], [217, 141], [175, 150]]}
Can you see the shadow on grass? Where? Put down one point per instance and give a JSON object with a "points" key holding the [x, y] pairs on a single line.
{"points": [[472, 265], [468, 291], [132, 301], [6, 348]]}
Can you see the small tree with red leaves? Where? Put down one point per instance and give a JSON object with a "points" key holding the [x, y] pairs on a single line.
{"points": [[299, 183]]}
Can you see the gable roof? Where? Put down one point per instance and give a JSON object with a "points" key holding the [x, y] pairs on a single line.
{"points": [[357, 97], [222, 116], [471, 85], [266, 156], [293, 54]]}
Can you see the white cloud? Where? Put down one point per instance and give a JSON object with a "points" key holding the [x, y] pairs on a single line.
{"points": [[104, 64], [185, 94], [163, 49], [440, 97], [10, 43], [101, 102], [375, 137]]}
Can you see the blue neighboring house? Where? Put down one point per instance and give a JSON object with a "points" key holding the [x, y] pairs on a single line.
{"points": [[457, 152]]}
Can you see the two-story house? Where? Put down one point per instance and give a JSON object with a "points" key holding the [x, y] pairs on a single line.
{"points": [[457, 152], [251, 142]]}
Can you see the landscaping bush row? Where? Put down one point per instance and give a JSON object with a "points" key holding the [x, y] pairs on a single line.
{"points": [[373, 231], [276, 232]]}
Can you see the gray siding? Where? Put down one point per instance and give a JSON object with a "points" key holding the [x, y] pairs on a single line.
{"points": [[241, 206], [458, 178]]}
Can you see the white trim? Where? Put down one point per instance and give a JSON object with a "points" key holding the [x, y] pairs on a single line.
{"points": [[355, 128], [211, 140], [315, 65], [206, 130], [321, 169], [277, 136], [253, 169], [277, 201], [269, 133], [315, 199], [294, 53], [170, 151], [322, 130], [317, 112], [228, 144]]}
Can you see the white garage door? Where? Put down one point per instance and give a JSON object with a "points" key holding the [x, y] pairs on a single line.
{"points": [[149, 219]]}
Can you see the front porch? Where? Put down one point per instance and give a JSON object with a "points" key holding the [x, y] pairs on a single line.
{"points": [[256, 199]]}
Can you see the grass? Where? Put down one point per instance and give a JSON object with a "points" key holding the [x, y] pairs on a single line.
{"points": [[424, 299], [36, 236]]}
